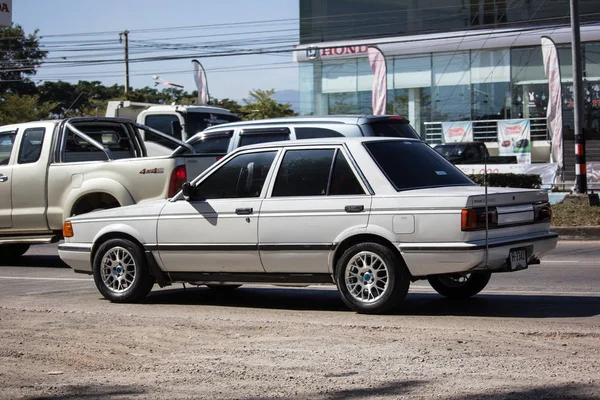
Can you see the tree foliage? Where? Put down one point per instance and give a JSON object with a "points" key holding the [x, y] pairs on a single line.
{"points": [[16, 108], [261, 105], [20, 55]]}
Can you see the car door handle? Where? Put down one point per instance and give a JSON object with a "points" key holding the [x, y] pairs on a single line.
{"points": [[243, 211], [354, 208], [3, 178]]}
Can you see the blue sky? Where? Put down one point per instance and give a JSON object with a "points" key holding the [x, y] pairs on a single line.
{"points": [[187, 21]]}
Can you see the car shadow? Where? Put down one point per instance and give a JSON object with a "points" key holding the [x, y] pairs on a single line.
{"points": [[423, 304], [34, 260]]}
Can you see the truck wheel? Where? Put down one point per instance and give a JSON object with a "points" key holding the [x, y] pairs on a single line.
{"points": [[459, 286], [120, 271], [370, 278], [12, 251]]}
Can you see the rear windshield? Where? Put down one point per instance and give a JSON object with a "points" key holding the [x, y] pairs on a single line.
{"points": [[392, 128], [414, 165]]}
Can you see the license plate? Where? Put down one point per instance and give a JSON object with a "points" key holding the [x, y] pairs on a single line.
{"points": [[518, 259]]}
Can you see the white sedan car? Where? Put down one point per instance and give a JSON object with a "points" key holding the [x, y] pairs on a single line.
{"points": [[369, 215]]}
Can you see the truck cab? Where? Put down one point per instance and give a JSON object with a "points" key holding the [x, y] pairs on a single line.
{"points": [[181, 122]]}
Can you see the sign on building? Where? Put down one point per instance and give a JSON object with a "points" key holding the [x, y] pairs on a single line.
{"points": [[514, 139], [5, 13], [454, 132]]}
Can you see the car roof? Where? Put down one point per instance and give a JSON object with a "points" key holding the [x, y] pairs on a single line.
{"points": [[340, 119], [324, 141]]}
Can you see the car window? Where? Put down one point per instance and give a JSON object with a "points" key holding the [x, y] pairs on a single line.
{"points": [[114, 137], [263, 135], [7, 140], [343, 180], [242, 176], [31, 145], [217, 144], [304, 173], [315, 133], [393, 128], [161, 122], [413, 165]]}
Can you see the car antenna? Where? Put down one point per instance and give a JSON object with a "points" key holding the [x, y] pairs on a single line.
{"points": [[73, 103]]}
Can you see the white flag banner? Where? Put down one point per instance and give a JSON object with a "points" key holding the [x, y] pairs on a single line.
{"points": [[554, 111], [514, 139], [377, 61], [454, 132], [201, 82]]}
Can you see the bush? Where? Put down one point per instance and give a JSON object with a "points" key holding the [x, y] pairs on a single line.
{"points": [[525, 181]]}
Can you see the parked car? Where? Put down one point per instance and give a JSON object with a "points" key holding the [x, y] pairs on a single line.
{"points": [[213, 143], [368, 214], [471, 153], [51, 170]]}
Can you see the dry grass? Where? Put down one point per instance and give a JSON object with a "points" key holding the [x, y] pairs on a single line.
{"points": [[575, 211]]}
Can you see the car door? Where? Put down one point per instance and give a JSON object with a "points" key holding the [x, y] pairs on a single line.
{"points": [[216, 230], [315, 197], [7, 141]]}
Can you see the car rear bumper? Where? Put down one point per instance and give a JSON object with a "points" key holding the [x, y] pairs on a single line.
{"points": [[76, 256], [425, 259]]}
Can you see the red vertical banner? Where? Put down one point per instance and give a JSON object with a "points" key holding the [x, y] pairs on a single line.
{"points": [[554, 111], [377, 61], [201, 82]]}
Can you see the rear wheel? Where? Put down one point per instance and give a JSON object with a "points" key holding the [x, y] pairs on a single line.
{"points": [[370, 278], [459, 286], [12, 251], [120, 271]]}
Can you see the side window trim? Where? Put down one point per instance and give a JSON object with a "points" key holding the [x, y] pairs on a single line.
{"points": [[357, 171], [21, 145]]}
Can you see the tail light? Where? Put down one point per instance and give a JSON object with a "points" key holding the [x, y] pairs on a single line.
{"points": [[473, 219], [542, 212], [178, 178]]}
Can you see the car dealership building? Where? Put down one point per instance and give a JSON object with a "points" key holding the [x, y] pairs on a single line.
{"points": [[448, 60]]}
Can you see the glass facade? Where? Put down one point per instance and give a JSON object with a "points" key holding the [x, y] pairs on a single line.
{"points": [[331, 20], [476, 85]]}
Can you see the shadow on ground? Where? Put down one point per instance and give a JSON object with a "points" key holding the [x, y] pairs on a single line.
{"points": [[423, 304], [35, 260], [93, 392]]}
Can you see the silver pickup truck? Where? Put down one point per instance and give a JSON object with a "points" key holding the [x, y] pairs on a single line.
{"points": [[50, 170]]}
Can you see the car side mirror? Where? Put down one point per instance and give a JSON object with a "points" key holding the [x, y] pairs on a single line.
{"points": [[176, 129]]}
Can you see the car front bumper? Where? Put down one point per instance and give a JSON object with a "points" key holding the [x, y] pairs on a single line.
{"points": [[76, 256], [425, 259]]}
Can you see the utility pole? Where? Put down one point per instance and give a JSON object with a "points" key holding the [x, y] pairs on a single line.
{"points": [[125, 34], [580, 166]]}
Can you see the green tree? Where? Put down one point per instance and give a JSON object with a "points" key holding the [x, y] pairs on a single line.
{"points": [[261, 105], [15, 108], [20, 56], [228, 104]]}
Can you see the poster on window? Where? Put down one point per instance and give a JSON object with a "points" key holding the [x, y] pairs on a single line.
{"points": [[454, 132], [593, 175], [514, 139]]}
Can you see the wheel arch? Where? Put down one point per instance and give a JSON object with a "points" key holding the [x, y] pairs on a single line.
{"points": [[364, 237], [118, 231], [97, 187]]}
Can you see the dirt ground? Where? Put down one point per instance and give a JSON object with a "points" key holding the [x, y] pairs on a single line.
{"points": [[192, 345]]}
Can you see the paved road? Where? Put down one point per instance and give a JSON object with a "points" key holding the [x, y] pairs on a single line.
{"points": [[566, 284], [530, 335]]}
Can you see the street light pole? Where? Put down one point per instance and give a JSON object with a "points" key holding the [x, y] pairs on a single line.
{"points": [[126, 35], [580, 166]]}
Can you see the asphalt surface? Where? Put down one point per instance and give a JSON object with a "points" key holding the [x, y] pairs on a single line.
{"points": [[531, 334], [565, 285]]}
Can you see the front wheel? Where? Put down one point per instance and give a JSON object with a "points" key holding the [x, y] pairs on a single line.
{"points": [[370, 278], [459, 286], [120, 271]]}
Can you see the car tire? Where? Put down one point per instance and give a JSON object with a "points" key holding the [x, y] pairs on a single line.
{"points": [[459, 286], [371, 278], [121, 272], [12, 251]]}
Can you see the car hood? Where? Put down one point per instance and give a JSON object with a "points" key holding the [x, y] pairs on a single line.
{"points": [[148, 208]]}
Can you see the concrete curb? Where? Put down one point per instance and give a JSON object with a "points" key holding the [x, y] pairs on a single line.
{"points": [[577, 232]]}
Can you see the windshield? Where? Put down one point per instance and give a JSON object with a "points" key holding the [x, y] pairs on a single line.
{"points": [[414, 165], [393, 128], [451, 150], [199, 121]]}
